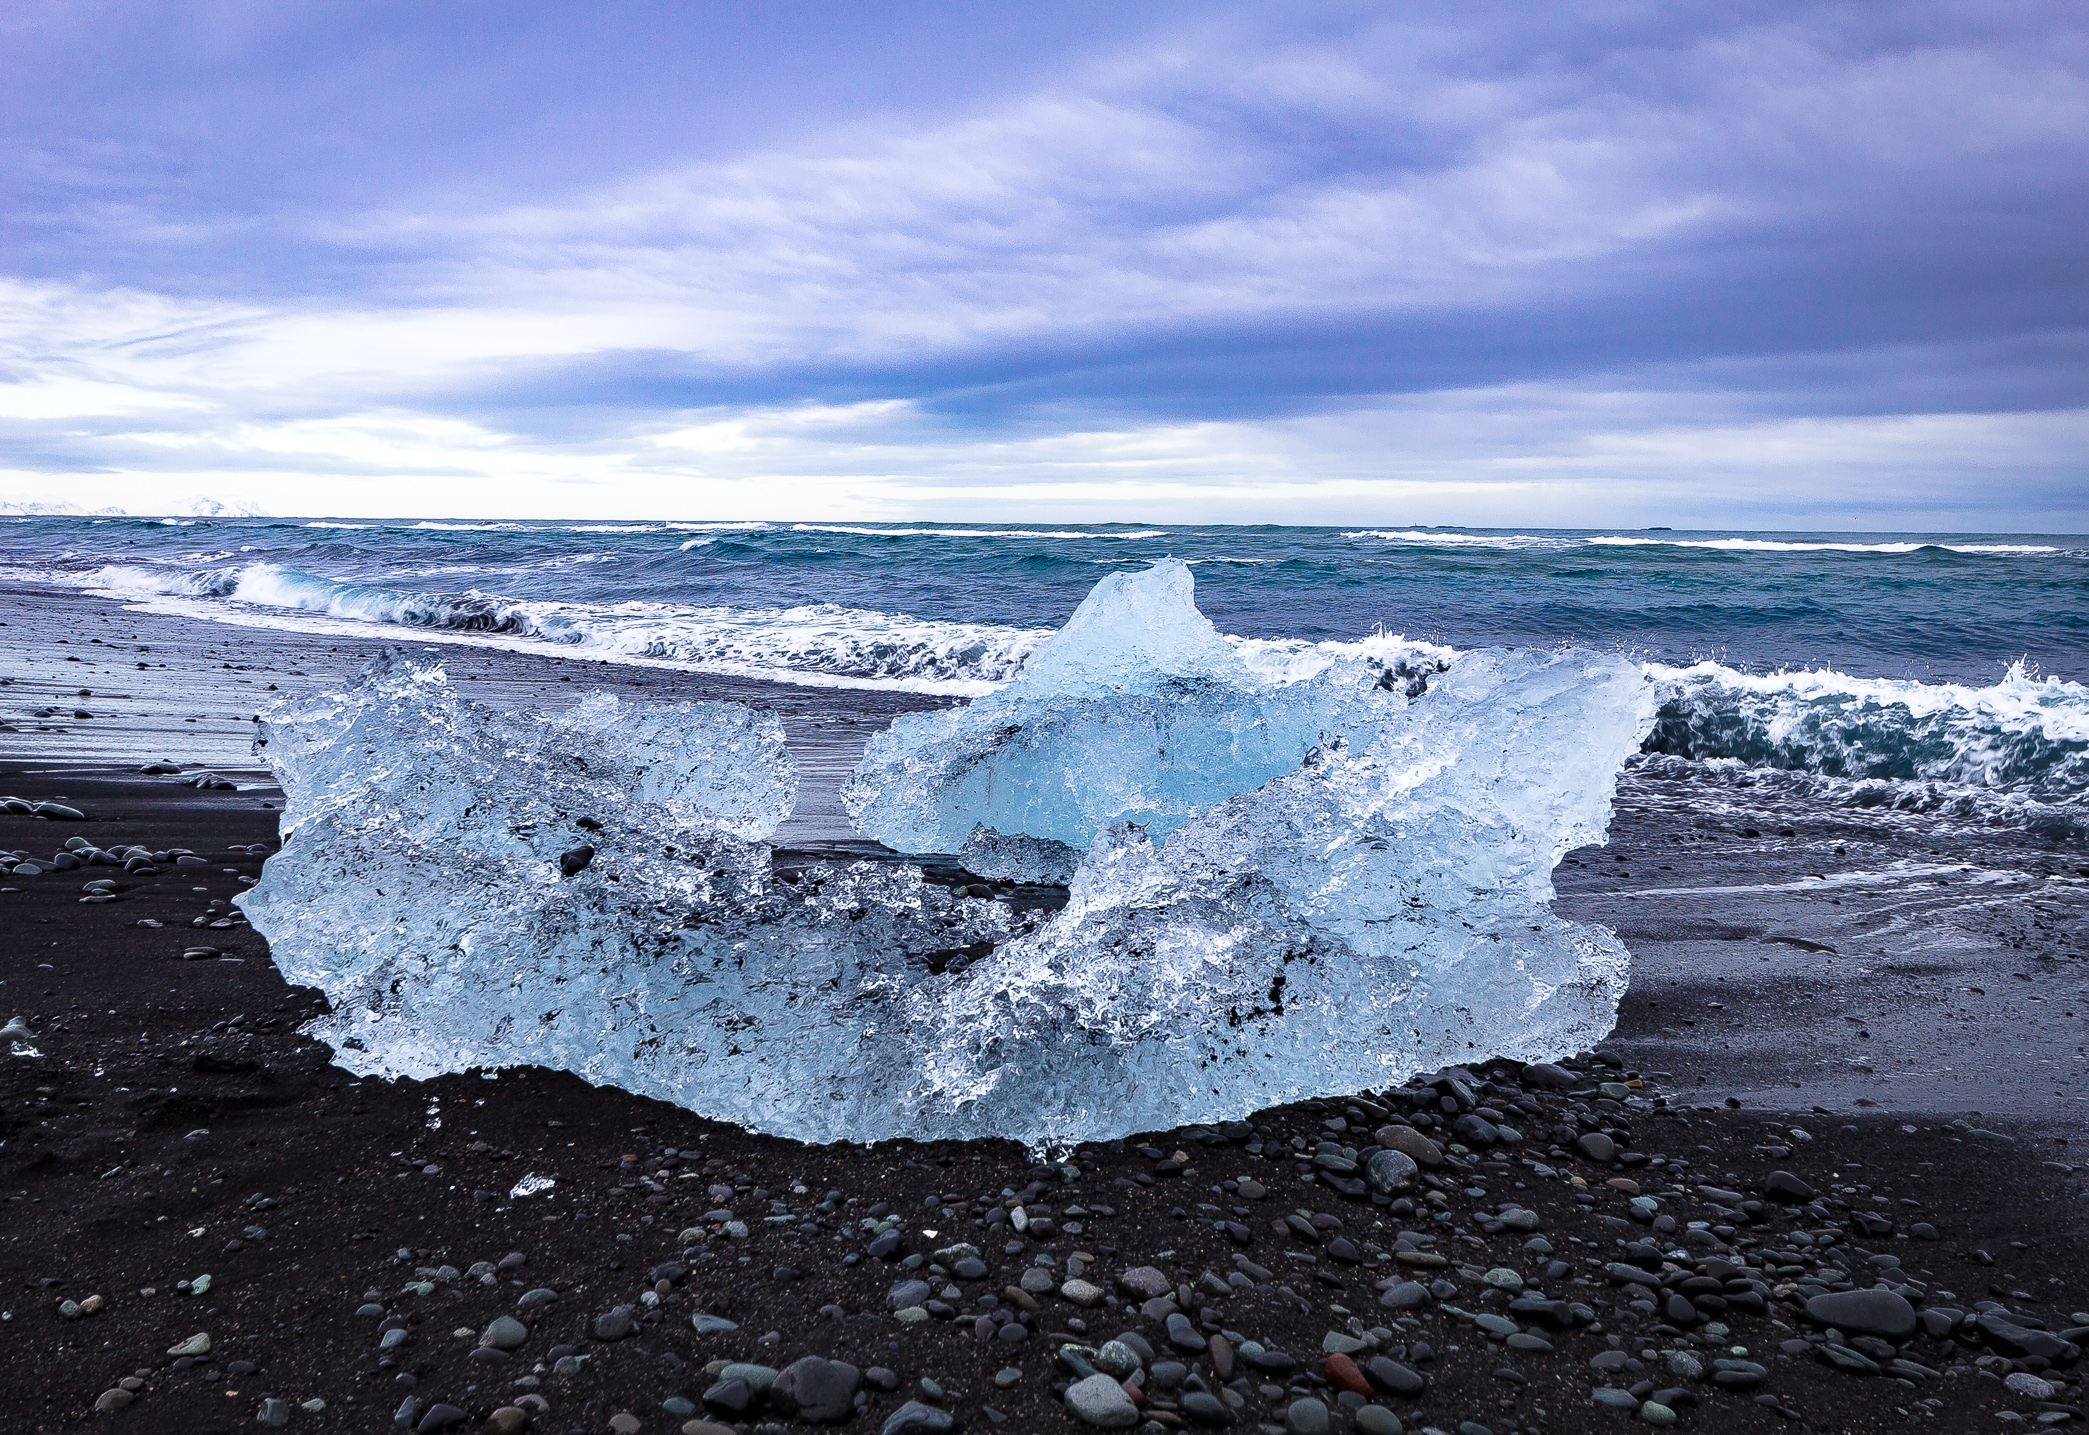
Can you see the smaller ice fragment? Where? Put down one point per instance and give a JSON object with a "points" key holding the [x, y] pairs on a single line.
{"points": [[530, 1185]]}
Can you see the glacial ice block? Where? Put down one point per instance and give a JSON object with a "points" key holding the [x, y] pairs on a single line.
{"points": [[1378, 910], [1138, 710]]}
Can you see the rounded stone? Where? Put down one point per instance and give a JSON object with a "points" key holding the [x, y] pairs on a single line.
{"points": [[1144, 1282], [2027, 1385], [1377, 1420], [1306, 1417], [816, 1390], [1100, 1401], [507, 1420], [1390, 1171], [1597, 1147], [1411, 1143], [1878, 1312], [505, 1333]]}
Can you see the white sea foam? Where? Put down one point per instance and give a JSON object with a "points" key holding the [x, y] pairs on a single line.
{"points": [[1726, 545], [818, 644], [969, 532]]}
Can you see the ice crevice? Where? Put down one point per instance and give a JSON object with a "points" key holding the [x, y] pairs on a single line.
{"points": [[1275, 890]]}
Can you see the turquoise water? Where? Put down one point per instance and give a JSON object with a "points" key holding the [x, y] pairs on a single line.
{"points": [[1931, 670]]}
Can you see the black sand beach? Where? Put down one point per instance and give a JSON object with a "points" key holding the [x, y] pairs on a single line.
{"points": [[1889, 1019]]}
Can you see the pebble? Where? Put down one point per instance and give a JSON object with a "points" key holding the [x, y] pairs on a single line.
{"points": [[1377, 1420], [705, 1324], [507, 1420], [624, 1423], [1082, 1293], [818, 1390], [1391, 1171], [2028, 1385], [1341, 1372], [1882, 1313], [1183, 1335], [914, 1418], [273, 1412], [197, 1344], [1410, 1143], [1100, 1401], [505, 1333], [1597, 1147], [616, 1325], [1144, 1282], [1394, 1378], [1306, 1416]]}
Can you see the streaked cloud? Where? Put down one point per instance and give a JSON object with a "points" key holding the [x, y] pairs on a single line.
{"points": [[1795, 264]]}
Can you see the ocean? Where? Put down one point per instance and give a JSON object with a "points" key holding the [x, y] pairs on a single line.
{"points": [[1934, 674]]}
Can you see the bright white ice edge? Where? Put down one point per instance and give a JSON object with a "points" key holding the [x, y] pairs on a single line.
{"points": [[1379, 908]]}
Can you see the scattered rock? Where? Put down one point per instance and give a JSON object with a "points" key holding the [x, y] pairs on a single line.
{"points": [[1878, 1312], [816, 1390], [1100, 1401]]}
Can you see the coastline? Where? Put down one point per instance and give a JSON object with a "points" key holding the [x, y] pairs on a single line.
{"points": [[174, 1096], [1752, 954]]}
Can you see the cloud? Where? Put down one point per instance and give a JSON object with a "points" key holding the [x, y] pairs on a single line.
{"points": [[1216, 249]]}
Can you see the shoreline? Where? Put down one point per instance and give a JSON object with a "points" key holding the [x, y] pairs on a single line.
{"points": [[1864, 957], [176, 1125]]}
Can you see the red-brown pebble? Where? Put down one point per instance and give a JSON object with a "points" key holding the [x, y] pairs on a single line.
{"points": [[1341, 1372]]}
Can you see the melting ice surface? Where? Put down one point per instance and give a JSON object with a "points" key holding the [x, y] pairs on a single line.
{"points": [[1138, 710], [1353, 886]]}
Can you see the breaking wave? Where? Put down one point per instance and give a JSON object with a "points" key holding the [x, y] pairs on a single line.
{"points": [[2013, 752], [808, 643]]}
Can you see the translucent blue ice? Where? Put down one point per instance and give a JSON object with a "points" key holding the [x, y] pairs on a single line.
{"points": [[1138, 710], [1376, 905]]}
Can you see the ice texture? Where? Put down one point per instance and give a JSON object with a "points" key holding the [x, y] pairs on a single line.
{"points": [[1377, 906], [1138, 710], [1373, 914]]}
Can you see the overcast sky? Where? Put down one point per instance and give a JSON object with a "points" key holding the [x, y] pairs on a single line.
{"points": [[1727, 264]]}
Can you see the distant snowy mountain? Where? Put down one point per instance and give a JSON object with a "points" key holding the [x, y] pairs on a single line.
{"points": [[11, 509], [219, 508], [194, 508]]}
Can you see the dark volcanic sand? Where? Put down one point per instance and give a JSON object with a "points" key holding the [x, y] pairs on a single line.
{"points": [[155, 1129]]}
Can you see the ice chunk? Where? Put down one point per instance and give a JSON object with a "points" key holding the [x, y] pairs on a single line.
{"points": [[1378, 909], [1374, 914], [1137, 710]]}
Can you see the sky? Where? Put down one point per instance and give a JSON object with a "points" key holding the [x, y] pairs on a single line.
{"points": [[1712, 265]]}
